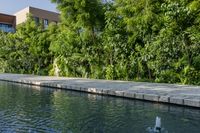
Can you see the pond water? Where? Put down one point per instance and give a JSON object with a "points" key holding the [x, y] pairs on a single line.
{"points": [[35, 109]]}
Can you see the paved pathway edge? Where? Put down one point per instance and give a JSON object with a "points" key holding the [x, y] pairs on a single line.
{"points": [[161, 93]]}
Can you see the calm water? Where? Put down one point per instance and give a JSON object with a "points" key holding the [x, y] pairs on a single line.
{"points": [[34, 109]]}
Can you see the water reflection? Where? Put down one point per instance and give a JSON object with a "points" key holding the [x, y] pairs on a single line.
{"points": [[25, 109]]}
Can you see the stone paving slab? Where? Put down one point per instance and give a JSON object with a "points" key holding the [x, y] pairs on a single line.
{"points": [[186, 95]]}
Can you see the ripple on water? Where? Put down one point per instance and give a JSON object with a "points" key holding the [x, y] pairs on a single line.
{"points": [[26, 109]]}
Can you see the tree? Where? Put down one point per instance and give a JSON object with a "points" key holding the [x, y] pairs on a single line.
{"points": [[26, 51], [146, 40], [79, 43]]}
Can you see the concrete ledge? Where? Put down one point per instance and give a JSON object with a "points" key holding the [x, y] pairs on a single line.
{"points": [[139, 96], [163, 93], [77, 88], [105, 92], [92, 90], [164, 99], [191, 102], [176, 100], [119, 93], [129, 95], [151, 97]]}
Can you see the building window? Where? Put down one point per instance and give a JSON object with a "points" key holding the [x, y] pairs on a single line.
{"points": [[6, 27], [37, 20], [46, 23]]}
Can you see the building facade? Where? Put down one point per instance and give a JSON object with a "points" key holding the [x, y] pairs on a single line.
{"points": [[7, 22], [39, 15]]}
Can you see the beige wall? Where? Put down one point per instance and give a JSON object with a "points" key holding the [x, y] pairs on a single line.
{"points": [[21, 16]]}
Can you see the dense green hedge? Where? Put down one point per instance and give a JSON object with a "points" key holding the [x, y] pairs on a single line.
{"points": [[144, 40]]}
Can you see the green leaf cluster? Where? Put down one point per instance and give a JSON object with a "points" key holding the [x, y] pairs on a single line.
{"points": [[144, 40]]}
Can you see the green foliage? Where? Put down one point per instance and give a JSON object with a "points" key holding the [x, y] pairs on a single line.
{"points": [[78, 47], [144, 40], [191, 76], [26, 51]]}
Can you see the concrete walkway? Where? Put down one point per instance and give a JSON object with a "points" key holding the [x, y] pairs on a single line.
{"points": [[166, 93]]}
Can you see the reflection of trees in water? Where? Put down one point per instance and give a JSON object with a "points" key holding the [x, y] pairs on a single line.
{"points": [[24, 108], [101, 113], [60, 110]]}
